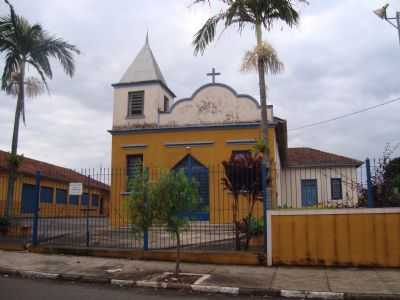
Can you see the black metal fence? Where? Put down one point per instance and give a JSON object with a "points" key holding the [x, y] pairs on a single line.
{"points": [[100, 216], [229, 214]]}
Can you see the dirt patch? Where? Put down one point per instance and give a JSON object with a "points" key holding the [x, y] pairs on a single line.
{"points": [[234, 281], [181, 278], [144, 275]]}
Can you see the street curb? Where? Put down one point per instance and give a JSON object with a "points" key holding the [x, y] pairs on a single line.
{"points": [[270, 292], [37, 275]]}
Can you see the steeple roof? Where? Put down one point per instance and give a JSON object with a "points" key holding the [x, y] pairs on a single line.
{"points": [[144, 67]]}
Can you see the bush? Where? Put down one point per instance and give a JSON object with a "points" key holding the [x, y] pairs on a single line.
{"points": [[4, 222]]}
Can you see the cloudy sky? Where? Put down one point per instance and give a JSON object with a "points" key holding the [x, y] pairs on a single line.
{"points": [[340, 59]]}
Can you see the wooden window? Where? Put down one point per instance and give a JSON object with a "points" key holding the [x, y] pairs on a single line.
{"points": [[166, 104], [46, 194], [73, 199], [134, 164], [95, 200], [309, 192], [61, 196], [135, 103], [85, 199], [336, 188]]}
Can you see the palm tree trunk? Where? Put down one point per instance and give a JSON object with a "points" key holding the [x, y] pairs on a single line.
{"points": [[14, 146], [263, 98], [178, 254]]}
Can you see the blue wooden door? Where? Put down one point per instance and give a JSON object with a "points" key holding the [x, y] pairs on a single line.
{"points": [[194, 169], [309, 192], [28, 198]]}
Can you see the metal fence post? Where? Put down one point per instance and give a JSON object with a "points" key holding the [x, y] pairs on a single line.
{"points": [[87, 215], [146, 231], [369, 184], [265, 202], [35, 240]]}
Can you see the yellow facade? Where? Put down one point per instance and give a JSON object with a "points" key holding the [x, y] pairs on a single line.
{"points": [[52, 209], [157, 156], [369, 238]]}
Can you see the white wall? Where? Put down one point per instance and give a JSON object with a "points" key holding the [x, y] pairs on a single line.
{"points": [[290, 196], [213, 104], [153, 101]]}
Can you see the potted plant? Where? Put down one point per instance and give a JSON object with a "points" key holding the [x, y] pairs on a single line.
{"points": [[4, 225]]}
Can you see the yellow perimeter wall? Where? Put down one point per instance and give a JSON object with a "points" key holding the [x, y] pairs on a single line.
{"points": [[156, 156], [356, 237], [50, 209]]}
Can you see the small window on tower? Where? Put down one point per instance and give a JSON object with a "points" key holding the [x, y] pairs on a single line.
{"points": [[135, 103], [166, 104]]}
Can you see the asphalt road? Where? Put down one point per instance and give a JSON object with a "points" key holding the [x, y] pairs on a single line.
{"points": [[25, 289]]}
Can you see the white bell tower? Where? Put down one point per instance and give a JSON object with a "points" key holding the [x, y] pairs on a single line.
{"points": [[142, 93]]}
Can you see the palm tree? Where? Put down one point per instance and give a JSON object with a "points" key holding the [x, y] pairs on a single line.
{"points": [[23, 45], [257, 14]]}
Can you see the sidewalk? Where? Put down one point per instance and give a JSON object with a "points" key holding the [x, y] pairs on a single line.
{"points": [[344, 283]]}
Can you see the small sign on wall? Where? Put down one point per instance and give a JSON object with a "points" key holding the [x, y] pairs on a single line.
{"points": [[75, 189]]}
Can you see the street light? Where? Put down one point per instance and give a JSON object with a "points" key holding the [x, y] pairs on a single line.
{"points": [[381, 13]]}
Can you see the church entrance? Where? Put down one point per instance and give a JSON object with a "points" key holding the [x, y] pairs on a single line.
{"points": [[196, 170]]}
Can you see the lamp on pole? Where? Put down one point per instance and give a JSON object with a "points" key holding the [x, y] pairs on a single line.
{"points": [[381, 13]]}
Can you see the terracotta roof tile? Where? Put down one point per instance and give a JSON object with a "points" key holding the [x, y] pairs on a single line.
{"points": [[31, 166], [308, 157]]}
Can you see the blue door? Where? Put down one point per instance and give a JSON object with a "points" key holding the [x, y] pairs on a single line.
{"points": [[194, 169], [309, 192], [28, 198]]}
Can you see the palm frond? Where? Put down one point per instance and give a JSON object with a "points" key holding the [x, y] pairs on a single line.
{"points": [[61, 50], [246, 12], [206, 34], [266, 54]]}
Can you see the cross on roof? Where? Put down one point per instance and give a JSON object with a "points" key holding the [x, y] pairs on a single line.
{"points": [[213, 74]]}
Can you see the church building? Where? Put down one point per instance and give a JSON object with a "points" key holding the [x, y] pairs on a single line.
{"points": [[152, 129]]}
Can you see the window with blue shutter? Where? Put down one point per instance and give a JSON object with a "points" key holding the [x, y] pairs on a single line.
{"points": [[61, 196], [95, 200], [309, 192], [74, 200], [46, 194], [336, 188], [85, 199]]}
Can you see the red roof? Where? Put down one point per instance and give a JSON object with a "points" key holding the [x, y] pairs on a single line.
{"points": [[308, 157], [31, 166]]}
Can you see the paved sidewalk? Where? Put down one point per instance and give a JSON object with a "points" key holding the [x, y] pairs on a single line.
{"points": [[343, 280]]}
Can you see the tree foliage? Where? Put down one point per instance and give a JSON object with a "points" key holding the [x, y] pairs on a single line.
{"points": [[141, 203], [166, 202], [242, 13], [385, 179], [25, 45], [243, 178]]}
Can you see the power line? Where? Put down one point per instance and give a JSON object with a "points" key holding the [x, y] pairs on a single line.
{"points": [[345, 115]]}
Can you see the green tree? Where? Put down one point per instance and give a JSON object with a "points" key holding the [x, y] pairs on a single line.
{"points": [[24, 44], [141, 203], [257, 14], [177, 195]]}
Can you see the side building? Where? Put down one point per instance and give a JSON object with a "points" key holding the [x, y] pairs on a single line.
{"points": [[54, 200]]}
